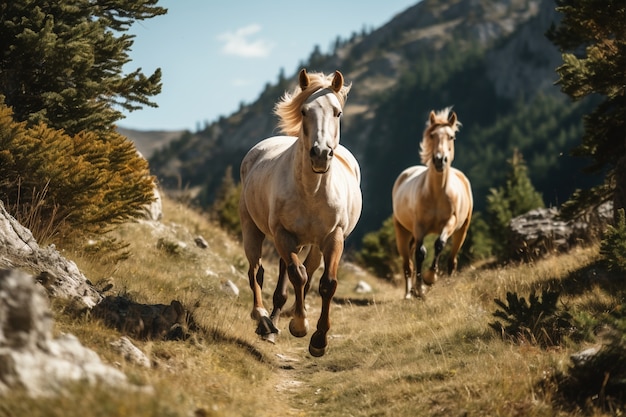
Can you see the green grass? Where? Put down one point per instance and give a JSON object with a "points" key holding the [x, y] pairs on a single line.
{"points": [[387, 356]]}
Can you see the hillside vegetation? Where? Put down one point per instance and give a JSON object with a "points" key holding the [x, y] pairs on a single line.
{"points": [[387, 356]]}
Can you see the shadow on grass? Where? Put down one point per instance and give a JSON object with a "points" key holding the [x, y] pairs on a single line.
{"points": [[162, 322]]}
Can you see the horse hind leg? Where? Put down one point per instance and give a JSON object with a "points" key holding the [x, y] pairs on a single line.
{"points": [[253, 246], [270, 330], [404, 243], [311, 263], [265, 326]]}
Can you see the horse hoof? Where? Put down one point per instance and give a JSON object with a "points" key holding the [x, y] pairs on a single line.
{"points": [[270, 338], [317, 346], [266, 327], [299, 328], [422, 291], [317, 352], [417, 293], [429, 276]]}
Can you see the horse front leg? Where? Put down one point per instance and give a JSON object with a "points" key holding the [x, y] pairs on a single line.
{"points": [[287, 247], [332, 250], [420, 255], [457, 241], [430, 275]]}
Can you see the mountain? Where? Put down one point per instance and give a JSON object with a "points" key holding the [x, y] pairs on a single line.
{"points": [[487, 58], [149, 141]]}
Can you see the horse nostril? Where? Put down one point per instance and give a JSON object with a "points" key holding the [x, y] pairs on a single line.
{"points": [[317, 152]]}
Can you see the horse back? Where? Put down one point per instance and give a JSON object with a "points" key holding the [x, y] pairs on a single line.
{"points": [[267, 151]]}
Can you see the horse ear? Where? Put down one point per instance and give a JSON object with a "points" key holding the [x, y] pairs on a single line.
{"points": [[432, 118], [303, 79], [452, 119], [337, 82]]}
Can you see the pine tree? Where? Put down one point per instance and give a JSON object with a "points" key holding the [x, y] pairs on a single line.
{"points": [[62, 62], [516, 197], [592, 39], [226, 205]]}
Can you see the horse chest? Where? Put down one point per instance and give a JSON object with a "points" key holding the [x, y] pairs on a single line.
{"points": [[310, 220], [436, 213]]}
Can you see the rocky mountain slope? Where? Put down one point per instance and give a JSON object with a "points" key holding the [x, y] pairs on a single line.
{"points": [[489, 59]]}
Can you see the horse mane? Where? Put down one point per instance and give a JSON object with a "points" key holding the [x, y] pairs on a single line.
{"points": [[442, 118], [288, 108]]}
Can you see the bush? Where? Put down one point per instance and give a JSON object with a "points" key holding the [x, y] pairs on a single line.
{"points": [[538, 321], [77, 184], [378, 251], [595, 378]]}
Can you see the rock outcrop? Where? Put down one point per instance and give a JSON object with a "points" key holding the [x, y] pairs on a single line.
{"points": [[59, 276], [541, 232]]}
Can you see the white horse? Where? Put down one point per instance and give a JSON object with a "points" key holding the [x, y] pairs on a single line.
{"points": [[431, 198], [302, 191]]}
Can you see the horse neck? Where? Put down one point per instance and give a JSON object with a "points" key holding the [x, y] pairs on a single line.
{"points": [[437, 180], [306, 180]]}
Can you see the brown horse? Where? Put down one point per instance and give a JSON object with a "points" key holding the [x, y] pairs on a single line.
{"points": [[434, 198], [302, 191]]}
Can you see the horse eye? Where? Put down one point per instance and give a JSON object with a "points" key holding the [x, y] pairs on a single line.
{"points": [[339, 113], [303, 112]]}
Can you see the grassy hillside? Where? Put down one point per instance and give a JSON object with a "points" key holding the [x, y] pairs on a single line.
{"points": [[387, 356]]}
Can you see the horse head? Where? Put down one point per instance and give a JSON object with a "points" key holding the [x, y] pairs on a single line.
{"points": [[437, 146], [321, 113]]}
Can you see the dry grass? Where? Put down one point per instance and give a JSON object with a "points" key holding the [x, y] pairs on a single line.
{"points": [[387, 356]]}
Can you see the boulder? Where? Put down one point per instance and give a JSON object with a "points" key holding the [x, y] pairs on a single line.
{"points": [[30, 358], [130, 352]]}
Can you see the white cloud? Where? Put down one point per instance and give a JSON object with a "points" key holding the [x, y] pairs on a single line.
{"points": [[241, 43]]}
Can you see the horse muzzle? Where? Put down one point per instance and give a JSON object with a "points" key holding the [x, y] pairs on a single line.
{"points": [[440, 162], [321, 159]]}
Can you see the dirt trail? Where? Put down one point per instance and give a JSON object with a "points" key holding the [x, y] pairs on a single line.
{"points": [[295, 366]]}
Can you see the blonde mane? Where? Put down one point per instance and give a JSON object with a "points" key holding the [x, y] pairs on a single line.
{"points": [[441, 118], [288, 108]]}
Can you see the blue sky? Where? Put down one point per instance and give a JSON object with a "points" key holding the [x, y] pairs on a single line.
{"points": [[217, 54]]}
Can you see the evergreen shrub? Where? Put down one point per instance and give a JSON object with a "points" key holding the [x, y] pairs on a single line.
{"points": [[77, 184]]}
